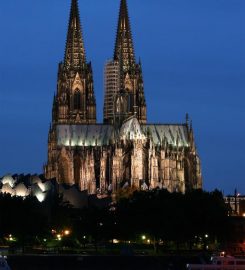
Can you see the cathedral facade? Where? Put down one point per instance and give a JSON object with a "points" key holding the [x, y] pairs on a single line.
{"points": [[124, 150]]}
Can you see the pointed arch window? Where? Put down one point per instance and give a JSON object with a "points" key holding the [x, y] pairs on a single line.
{"points": [[131, 101], [63, 171], [77, 168], [77, 100]]}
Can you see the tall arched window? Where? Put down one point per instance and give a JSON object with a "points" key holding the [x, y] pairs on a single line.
{"points": [[77, 168], [77, 100], [188, 173], [63, 171], [131, 101]]}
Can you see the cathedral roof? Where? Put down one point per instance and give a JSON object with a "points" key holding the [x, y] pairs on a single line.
{"points": [[131, 129], [173, 134], [102, 135], [84, 135]]}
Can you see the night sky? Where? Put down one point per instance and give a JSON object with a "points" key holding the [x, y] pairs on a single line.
{"points": [[193, 57]]}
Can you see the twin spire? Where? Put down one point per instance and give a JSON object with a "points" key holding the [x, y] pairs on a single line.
{"points": [[130, 73], [124, 43], [75, 51]]}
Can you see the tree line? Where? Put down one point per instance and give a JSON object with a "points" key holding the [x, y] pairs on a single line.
{"points": [[157, 215]]}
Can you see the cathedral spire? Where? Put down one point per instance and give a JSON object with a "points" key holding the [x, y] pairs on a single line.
{"points": [[75, 51], [123, 74], [124, 41]]}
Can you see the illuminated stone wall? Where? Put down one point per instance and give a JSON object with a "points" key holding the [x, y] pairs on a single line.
{"points": [[131, 157]]}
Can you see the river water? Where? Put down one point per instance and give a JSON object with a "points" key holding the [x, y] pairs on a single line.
{"points": [[73, 262]]}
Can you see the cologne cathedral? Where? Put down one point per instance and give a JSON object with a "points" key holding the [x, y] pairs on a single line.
{"points": [[125, 150]]}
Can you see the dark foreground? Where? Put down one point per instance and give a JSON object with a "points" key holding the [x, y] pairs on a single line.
{"points": [[74, 262]]}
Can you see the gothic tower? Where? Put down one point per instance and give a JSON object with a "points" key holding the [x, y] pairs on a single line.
{"points": [[130, 73], [74, 102]]}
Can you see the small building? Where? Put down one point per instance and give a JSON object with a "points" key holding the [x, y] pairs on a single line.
{"points": [[236, 204]]}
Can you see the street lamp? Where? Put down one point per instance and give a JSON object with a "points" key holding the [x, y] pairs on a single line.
{"points": [[59, 237], [67, 232]]}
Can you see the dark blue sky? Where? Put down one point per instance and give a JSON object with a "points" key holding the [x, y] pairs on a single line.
{"points": [[193, 56]]}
